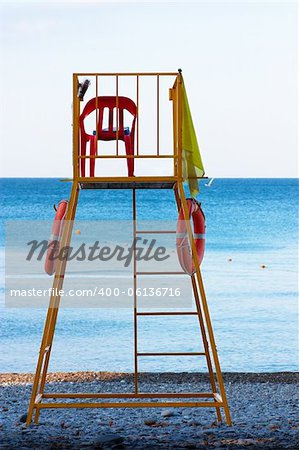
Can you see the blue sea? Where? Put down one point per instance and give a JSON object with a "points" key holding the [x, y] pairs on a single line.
{"points": [[250, 223]]}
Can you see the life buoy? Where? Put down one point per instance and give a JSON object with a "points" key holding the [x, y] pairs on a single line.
{"points": [[182, 243], [57, 228]]}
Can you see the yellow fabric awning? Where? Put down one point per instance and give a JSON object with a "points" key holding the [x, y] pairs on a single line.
{"points": [[191, 158]]}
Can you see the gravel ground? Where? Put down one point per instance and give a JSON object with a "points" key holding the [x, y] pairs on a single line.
{"points": [[264, 410]]}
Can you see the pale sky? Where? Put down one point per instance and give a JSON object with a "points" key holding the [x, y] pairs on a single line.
{"points": [[239, 62]]}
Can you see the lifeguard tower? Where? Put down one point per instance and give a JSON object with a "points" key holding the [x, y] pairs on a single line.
{"points": [[115, 108]]}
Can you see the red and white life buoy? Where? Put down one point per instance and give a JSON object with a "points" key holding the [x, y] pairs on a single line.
{"points": [[57, 228], [182, 241]]}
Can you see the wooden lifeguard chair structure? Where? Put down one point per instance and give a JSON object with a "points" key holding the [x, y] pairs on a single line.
{"points": [[216, 398]]}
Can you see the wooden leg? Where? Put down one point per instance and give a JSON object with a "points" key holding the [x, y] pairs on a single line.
{"points": [[201, 324], [135, 295], [49, 328], [214, 349], [205, 343], [204, 303], [36, 380]]}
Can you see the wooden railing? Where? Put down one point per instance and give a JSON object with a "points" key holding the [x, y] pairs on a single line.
{"points": [[154, 153]]}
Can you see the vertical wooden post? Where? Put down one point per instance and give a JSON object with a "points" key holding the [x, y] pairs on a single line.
{"points": [[158, 115], [97, 117], [117, 113], [76, 114], [135, 295], [179, 128], [137, 119]]}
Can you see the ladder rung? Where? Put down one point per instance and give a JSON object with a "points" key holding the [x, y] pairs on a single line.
{"points": [[129, 395], [134, 404], [167, 313], [155, 232], [172, 354], [161, 273]]}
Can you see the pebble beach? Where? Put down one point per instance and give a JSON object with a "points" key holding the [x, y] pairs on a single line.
{"points": [[264, 409]]}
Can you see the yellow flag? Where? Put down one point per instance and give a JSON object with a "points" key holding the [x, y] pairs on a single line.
{"points": [[192, 163]]}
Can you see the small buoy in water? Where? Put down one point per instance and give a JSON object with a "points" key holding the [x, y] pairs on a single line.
{"points": [[78, 232], [230, 259], [263, 266]]}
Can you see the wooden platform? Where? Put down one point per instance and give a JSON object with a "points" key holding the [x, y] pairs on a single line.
{"points": [[128, 183]]}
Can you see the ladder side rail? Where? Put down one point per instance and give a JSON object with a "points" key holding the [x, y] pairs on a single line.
{"points": [[49, 327], [204, 302]]}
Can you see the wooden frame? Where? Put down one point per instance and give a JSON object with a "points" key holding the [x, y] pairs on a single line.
{"points": [[41, 399]]}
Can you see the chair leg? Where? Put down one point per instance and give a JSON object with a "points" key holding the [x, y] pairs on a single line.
{"points": [[129, 151], [93, 152], [82, 161]]}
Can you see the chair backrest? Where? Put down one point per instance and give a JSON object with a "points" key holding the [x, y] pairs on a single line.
{"points": [[111, 102]]}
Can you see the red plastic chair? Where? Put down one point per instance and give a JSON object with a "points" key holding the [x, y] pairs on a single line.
{"points": [[108, 134]]}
